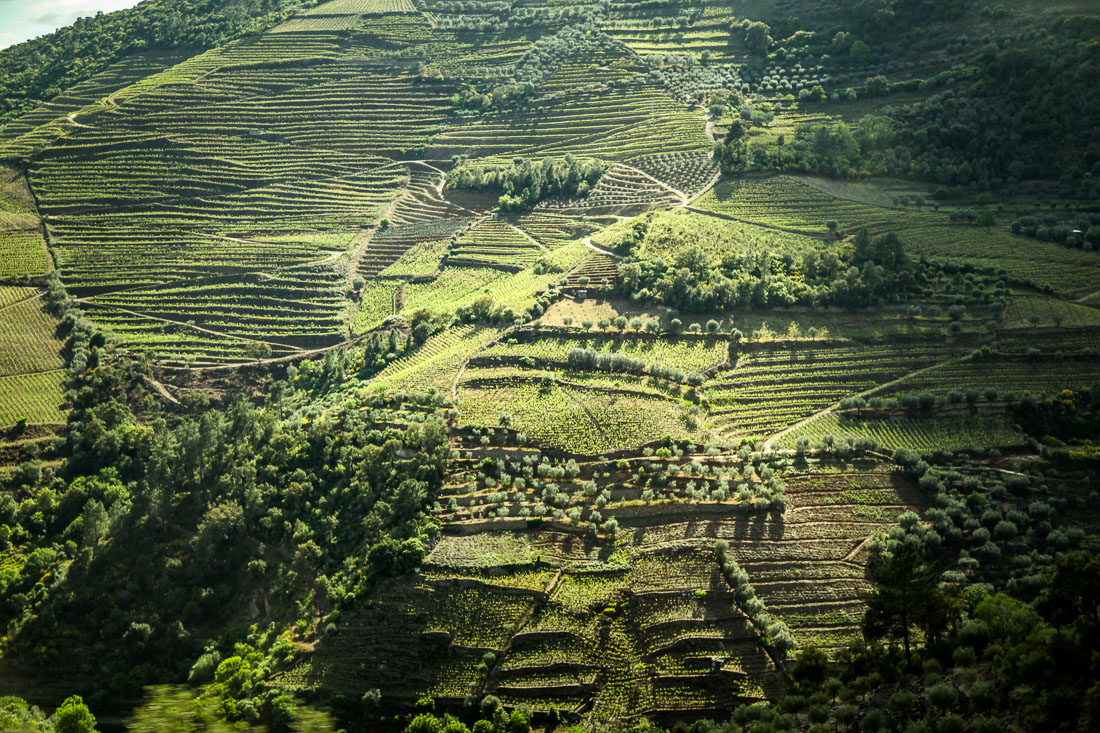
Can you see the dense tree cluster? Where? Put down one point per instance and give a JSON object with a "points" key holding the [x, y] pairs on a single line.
{"points": [[1071, 415], [1082, 231], [585, 359], [167, 529], [526, 182], [897, 16], [37, 71], [872, 270], [985, 125]]}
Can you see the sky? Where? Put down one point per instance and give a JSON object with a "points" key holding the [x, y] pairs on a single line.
{"points": [[24, 19]]}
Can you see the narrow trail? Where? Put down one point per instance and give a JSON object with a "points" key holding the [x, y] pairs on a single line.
{"points": [[601, 250], [442, 185], [353, 269], [740, 220], [584, 407], [238, 240], [684, 198], [71, 117], [528, 237], [302, 354], [161, 390], [86, 301], [711, 183], [458, 378], [851, 556], [770, 442], [398, 299], [368, 235], [34, 296], [1087, 297]]}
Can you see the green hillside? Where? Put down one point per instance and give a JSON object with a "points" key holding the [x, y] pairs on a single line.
{"points": [[551, 365]]}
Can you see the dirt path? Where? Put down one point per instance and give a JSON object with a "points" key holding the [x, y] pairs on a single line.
{"points": [[601, 250], [302, 354], [740, 220], [71, 117], [1087, 297], [769, 443], [368, 235], [528, 237], [684, 198], [35, 296], [711, 183], [398, 298], [580, 404], [85, 301], [161, 390]]}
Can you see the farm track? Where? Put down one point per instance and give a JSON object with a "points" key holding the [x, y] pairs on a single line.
{"points": [[741, 220], [161, 389], [601, 250], [528, 237], [300, 354], [85, 301], [35, 296], [591, 417], [675, 191], [770, 442]]}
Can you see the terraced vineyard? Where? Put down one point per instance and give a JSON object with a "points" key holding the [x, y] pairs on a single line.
{"points": [[770, 389], [32, 372], [792, 205], [562, 363], [22, 249]]}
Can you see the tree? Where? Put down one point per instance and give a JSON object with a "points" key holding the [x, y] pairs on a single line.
{"points": [[756, 34], [811, 667], [907, 594], [987, 218], [74, 717], [733, 152], [259, 350], [424, 723], [859, 51], [877, 86]]}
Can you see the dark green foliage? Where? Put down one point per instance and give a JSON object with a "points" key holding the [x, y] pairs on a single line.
{"points": [[526, 182], [889, 17], [907, 595], [874, 270], [203, 514], [732, 152], [1074, 414]]}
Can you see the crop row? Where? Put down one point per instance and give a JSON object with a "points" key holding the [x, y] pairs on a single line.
{"points": [[37, 398], [685, 355], [941, 433], [28, 335]]}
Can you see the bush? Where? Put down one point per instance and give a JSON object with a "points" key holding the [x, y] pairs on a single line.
{"points": [[942, 696]]}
